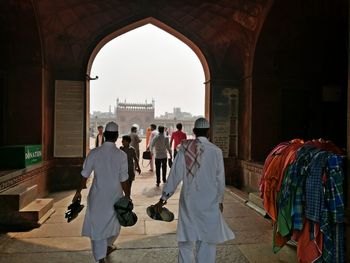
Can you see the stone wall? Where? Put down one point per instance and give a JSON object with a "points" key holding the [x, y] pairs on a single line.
{"points": [[126, 118], [252, 173]]}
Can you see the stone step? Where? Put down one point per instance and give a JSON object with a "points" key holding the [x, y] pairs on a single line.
{"points": [[17, 197], [255, 198], [256, 208], [48, 214], [256, 202], [36, 209]]}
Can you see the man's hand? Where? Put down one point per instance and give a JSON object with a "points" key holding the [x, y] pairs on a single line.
{"points": [[82, 185], [76, 197], [221, 207], [126, 188], [158, 206]]}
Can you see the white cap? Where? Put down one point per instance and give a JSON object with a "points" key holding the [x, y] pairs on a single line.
{"points": [[111, 127], [201, 123]]}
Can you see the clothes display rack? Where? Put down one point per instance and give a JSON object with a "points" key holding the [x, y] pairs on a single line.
{"points": [[302, 191]]}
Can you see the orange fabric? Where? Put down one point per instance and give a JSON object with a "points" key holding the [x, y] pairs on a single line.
{"points": [[276, 151], [309, 250], [274, 175], [148, 134]]}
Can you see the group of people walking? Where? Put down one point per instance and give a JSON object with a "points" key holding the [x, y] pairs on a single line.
{"points": [[198, 164], [162, 149], [160, 146]]}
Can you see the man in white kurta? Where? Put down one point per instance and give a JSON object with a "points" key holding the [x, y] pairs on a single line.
{"points": [[200, 209], [154, 133], [110, 168]]}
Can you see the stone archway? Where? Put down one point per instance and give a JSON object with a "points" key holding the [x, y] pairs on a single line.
{"points": [[168, 29]]}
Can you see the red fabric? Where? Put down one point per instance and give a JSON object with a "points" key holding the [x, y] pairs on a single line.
{"points": [[274, 172], [178, 136], [276, 151], [309, 250]]}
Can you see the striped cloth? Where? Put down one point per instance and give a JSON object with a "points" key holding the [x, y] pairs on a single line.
{"points": [[193, 150]]}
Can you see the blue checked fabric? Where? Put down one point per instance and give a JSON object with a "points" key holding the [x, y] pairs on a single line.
{"points": [[313, 186], [332, 220], [298, 184]]}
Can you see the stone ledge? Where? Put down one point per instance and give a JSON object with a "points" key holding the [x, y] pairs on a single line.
{"points": [[13, 178], [240, 195]]}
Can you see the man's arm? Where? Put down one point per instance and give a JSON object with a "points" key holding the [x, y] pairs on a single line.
{"points": [[220, 177], [126, 188], [175, 177], [81, 186], [87, 170], [168, 148], [124, 175]]}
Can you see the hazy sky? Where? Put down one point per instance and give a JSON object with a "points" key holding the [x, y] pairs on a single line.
{"points": [[144, 64]]}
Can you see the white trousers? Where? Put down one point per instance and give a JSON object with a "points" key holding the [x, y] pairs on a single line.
{"points": [[205, 252], [99, 247]]}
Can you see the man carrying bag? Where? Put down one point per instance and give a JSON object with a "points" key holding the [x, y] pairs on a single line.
{"points": [[110, 168]]}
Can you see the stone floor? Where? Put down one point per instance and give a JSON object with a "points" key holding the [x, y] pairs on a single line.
{"points": [[147, 241]]}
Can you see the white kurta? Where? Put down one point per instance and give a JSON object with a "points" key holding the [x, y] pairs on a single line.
{"points": [[110, 168], [200, 218]]}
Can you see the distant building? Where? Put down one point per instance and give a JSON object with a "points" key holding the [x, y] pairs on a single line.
{"points": [[129, 114], [177, 114]]}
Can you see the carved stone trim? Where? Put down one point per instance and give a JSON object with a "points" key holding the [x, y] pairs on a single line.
{"points": [[19, 176]]}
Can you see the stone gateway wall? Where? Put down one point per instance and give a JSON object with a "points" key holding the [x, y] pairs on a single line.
{"points": [[129, 114]]}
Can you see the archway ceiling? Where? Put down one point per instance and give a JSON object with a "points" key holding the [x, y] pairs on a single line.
{"points": [[223, 29]]}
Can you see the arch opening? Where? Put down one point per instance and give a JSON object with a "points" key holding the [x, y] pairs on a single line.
{"points": [[136, 119]]}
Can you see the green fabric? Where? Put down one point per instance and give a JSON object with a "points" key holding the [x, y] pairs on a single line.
{"points": [[284, 219]]}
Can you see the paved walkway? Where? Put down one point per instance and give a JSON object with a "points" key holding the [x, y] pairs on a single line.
{"points": [[148, 241]]}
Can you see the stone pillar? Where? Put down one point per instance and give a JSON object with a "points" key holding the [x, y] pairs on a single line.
{"points": [[224, 125]]}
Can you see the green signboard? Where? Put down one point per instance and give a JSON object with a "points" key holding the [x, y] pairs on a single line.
{"points": [[20, 156]]}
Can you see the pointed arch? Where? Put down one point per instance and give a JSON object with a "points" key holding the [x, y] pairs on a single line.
{"points": [[166, 28], [159, 24]]}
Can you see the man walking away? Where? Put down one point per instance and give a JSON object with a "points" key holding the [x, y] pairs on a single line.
{"points": [[160, 146], [135, 141], [110, 168], [199, 165], [99, 138], [151, 137], [177, 137], [133, 161]]}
